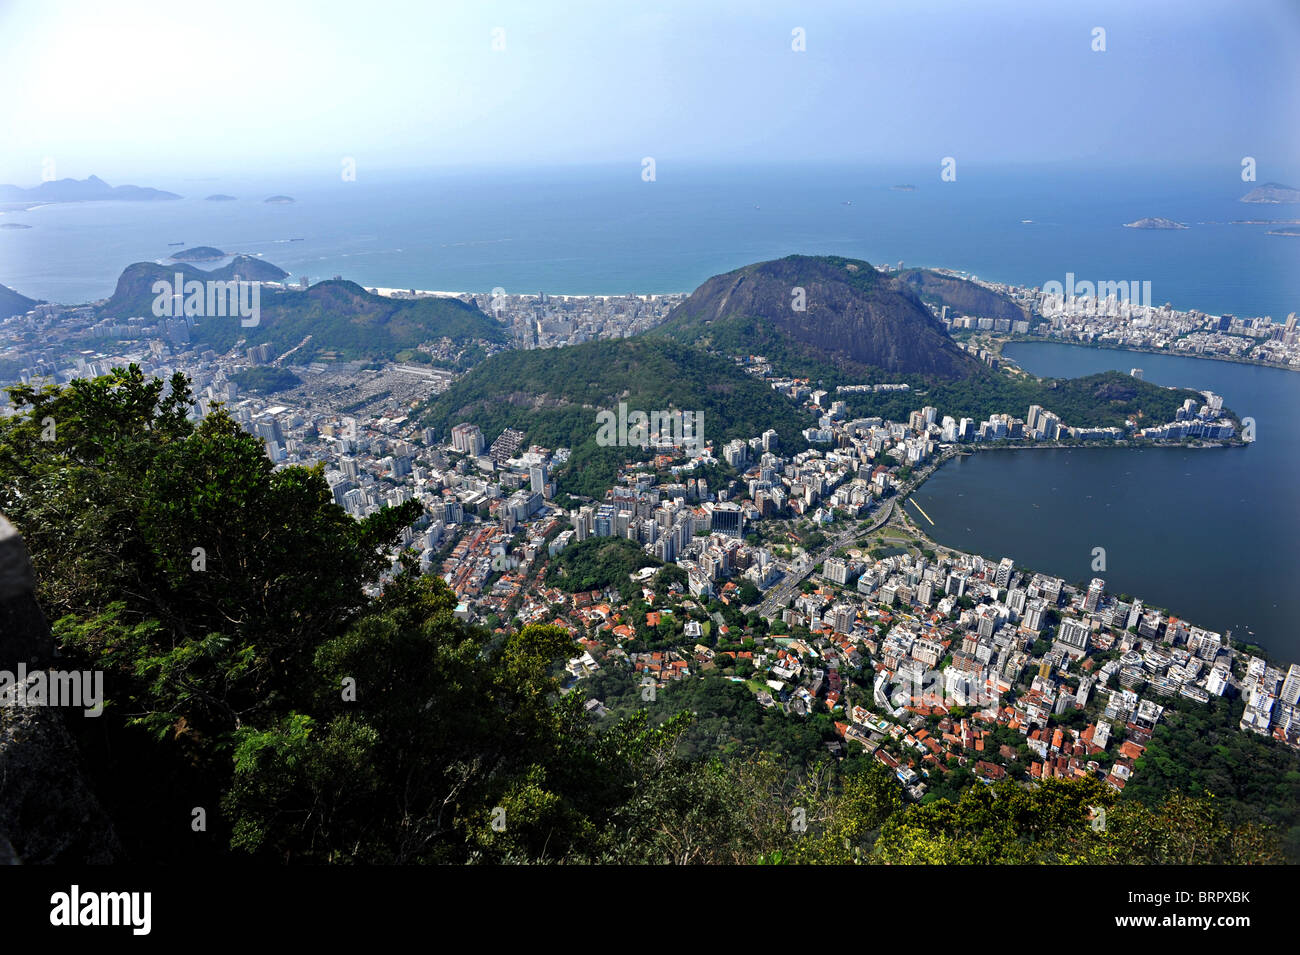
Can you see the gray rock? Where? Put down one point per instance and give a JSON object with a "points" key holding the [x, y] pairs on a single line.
{"points": [[48, 812]]}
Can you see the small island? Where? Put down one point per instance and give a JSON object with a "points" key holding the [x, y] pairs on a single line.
{"points": [[200, 253], [1154, 222], [219, 197], [904, 188], [1272, 192], [279, 200], [14, 225]]}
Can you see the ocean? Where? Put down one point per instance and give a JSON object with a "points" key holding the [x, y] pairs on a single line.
{"points": [[604, 230]]}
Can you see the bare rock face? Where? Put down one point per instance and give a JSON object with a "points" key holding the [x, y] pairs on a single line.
{"points": [[48, 812], [24, 634], [836, 311]]}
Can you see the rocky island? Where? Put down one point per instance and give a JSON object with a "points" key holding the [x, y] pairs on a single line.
{"points": [[200, 253], [1272, 192], [1154, 222]]}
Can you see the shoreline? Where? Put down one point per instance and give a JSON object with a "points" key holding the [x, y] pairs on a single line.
{"points": [[1032, 339], [915, 527]]}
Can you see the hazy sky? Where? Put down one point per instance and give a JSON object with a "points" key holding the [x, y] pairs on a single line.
{"points": [[146, 88]]}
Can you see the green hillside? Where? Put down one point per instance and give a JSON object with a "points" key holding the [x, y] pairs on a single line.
{"points": [[553, 396], [343, 319], [1095, 401]]}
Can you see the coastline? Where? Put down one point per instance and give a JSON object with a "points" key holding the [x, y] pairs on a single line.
{"points": [[915, 528], [1018, 339]]}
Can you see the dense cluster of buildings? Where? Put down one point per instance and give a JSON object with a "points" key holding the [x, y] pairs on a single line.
{"points": [[547, 321], [929, 662]]}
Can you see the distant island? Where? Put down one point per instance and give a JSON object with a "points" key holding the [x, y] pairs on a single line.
{"points": [[219, 198], [14, 225], [1154, 222], [200, 253], [279, 200], [1292, 232], [81, 190], [1272, 192], [904, 188]]}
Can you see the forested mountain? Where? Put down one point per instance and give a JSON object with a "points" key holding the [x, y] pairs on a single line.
{"points": [[342, 318], [554, 395]]}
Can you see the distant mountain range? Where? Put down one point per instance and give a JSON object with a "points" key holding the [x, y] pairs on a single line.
{"points": [[810, 313], [81, 190]]}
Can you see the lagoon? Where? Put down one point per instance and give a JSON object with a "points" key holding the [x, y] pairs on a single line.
{"points": [[1211, 534]]}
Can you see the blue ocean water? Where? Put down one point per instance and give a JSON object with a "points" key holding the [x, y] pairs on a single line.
{"points": [[603, 230]]}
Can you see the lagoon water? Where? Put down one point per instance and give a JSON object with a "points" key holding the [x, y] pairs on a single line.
{"points": [[1211, 534]]}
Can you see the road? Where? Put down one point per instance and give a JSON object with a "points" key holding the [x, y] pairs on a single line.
{"points": [[779, 595]]}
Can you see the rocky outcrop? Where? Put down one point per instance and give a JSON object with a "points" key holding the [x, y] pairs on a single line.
{"points": [[962, 296], [834, 311], [48, 812]]}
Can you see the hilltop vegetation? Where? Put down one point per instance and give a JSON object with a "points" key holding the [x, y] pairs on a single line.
{"points": [[597, 563], [553, 396], [343, 319], [1199, 749], [1102, 400], [264, 380]]}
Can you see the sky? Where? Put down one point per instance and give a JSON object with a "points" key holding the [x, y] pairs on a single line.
{"points": [[146, 88]]}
